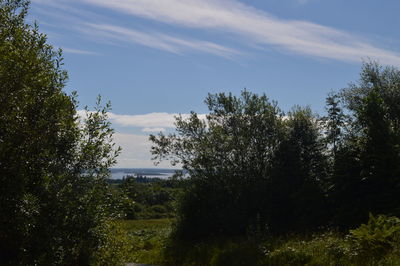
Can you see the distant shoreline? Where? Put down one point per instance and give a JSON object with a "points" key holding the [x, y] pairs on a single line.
{"points": [[120, 173]]}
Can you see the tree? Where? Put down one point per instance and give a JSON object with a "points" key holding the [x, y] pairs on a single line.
{"points": [[240, 164], [53, 168], [366, 174], [296, 196], [227, 158], [334, 122]]}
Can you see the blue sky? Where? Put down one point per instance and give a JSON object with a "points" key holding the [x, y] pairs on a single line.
{"points": [[156, 58]]}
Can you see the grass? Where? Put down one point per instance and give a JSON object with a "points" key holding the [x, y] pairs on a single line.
{"points": [[146, 239], [377, 243], [329, 248]]}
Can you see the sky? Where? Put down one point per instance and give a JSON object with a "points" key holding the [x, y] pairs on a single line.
{"points": [[154, 59]]}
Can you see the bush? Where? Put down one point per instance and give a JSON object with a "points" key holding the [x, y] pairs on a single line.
{"points": [[214, 251], [114, 248], [158, 209], [237, 254], [380, 235], [288, 256]]}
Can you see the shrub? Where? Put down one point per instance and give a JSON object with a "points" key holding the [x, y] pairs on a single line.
{"points": [[378, 236], [237, 254], [288, 256], [158, 209], [114, 248]]}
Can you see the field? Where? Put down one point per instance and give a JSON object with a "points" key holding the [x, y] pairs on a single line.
{"points": [[146, 239]]}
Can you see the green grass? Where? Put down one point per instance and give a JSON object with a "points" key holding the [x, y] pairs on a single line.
{"points": [[379, 245], [146, 239]]}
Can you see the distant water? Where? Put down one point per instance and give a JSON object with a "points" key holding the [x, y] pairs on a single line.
{"points": [[119, 173]]}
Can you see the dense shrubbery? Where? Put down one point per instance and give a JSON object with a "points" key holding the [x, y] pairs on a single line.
{"points": [[380, 235], [374, 243]]}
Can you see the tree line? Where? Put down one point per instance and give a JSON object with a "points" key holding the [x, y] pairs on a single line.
{"points": [[252, 165]]}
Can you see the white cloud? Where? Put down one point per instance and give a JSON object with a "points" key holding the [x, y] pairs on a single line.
{"points": [[155, 40], [78, 51], [135, 148], [153, 129], [257, 27], [135, 151], [150, 121]]}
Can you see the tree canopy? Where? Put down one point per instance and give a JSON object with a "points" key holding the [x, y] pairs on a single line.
{"points": [[247, 163]]}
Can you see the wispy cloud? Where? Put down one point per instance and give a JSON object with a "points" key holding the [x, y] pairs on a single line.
{"points": [[78, 51], [100, 28], [257, 27], [153, 129], [155, 40]]}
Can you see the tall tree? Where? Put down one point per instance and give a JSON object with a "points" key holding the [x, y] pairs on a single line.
{"points": [[227, 156], [379, 157], [53, 194], [296, 193], [366, 176], [334, 122]]}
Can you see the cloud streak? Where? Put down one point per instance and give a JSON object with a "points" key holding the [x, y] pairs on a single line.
{"points": [[151, 122], [156, 40], [78, 51], [254, 26]]}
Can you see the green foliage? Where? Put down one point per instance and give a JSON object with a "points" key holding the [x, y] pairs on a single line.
{"points": [[288, 256], [54, 198], [149, 200], [328, 248], [114, 246], [334, 122], [378, 236], [366, 166], [146, 239], [251, 168], [296, 200], [149, 243], [248, 165], [235, 254], [215, 251]]}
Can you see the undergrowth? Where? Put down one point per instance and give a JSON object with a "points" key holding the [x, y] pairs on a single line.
{"points": [[374, 243]]}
